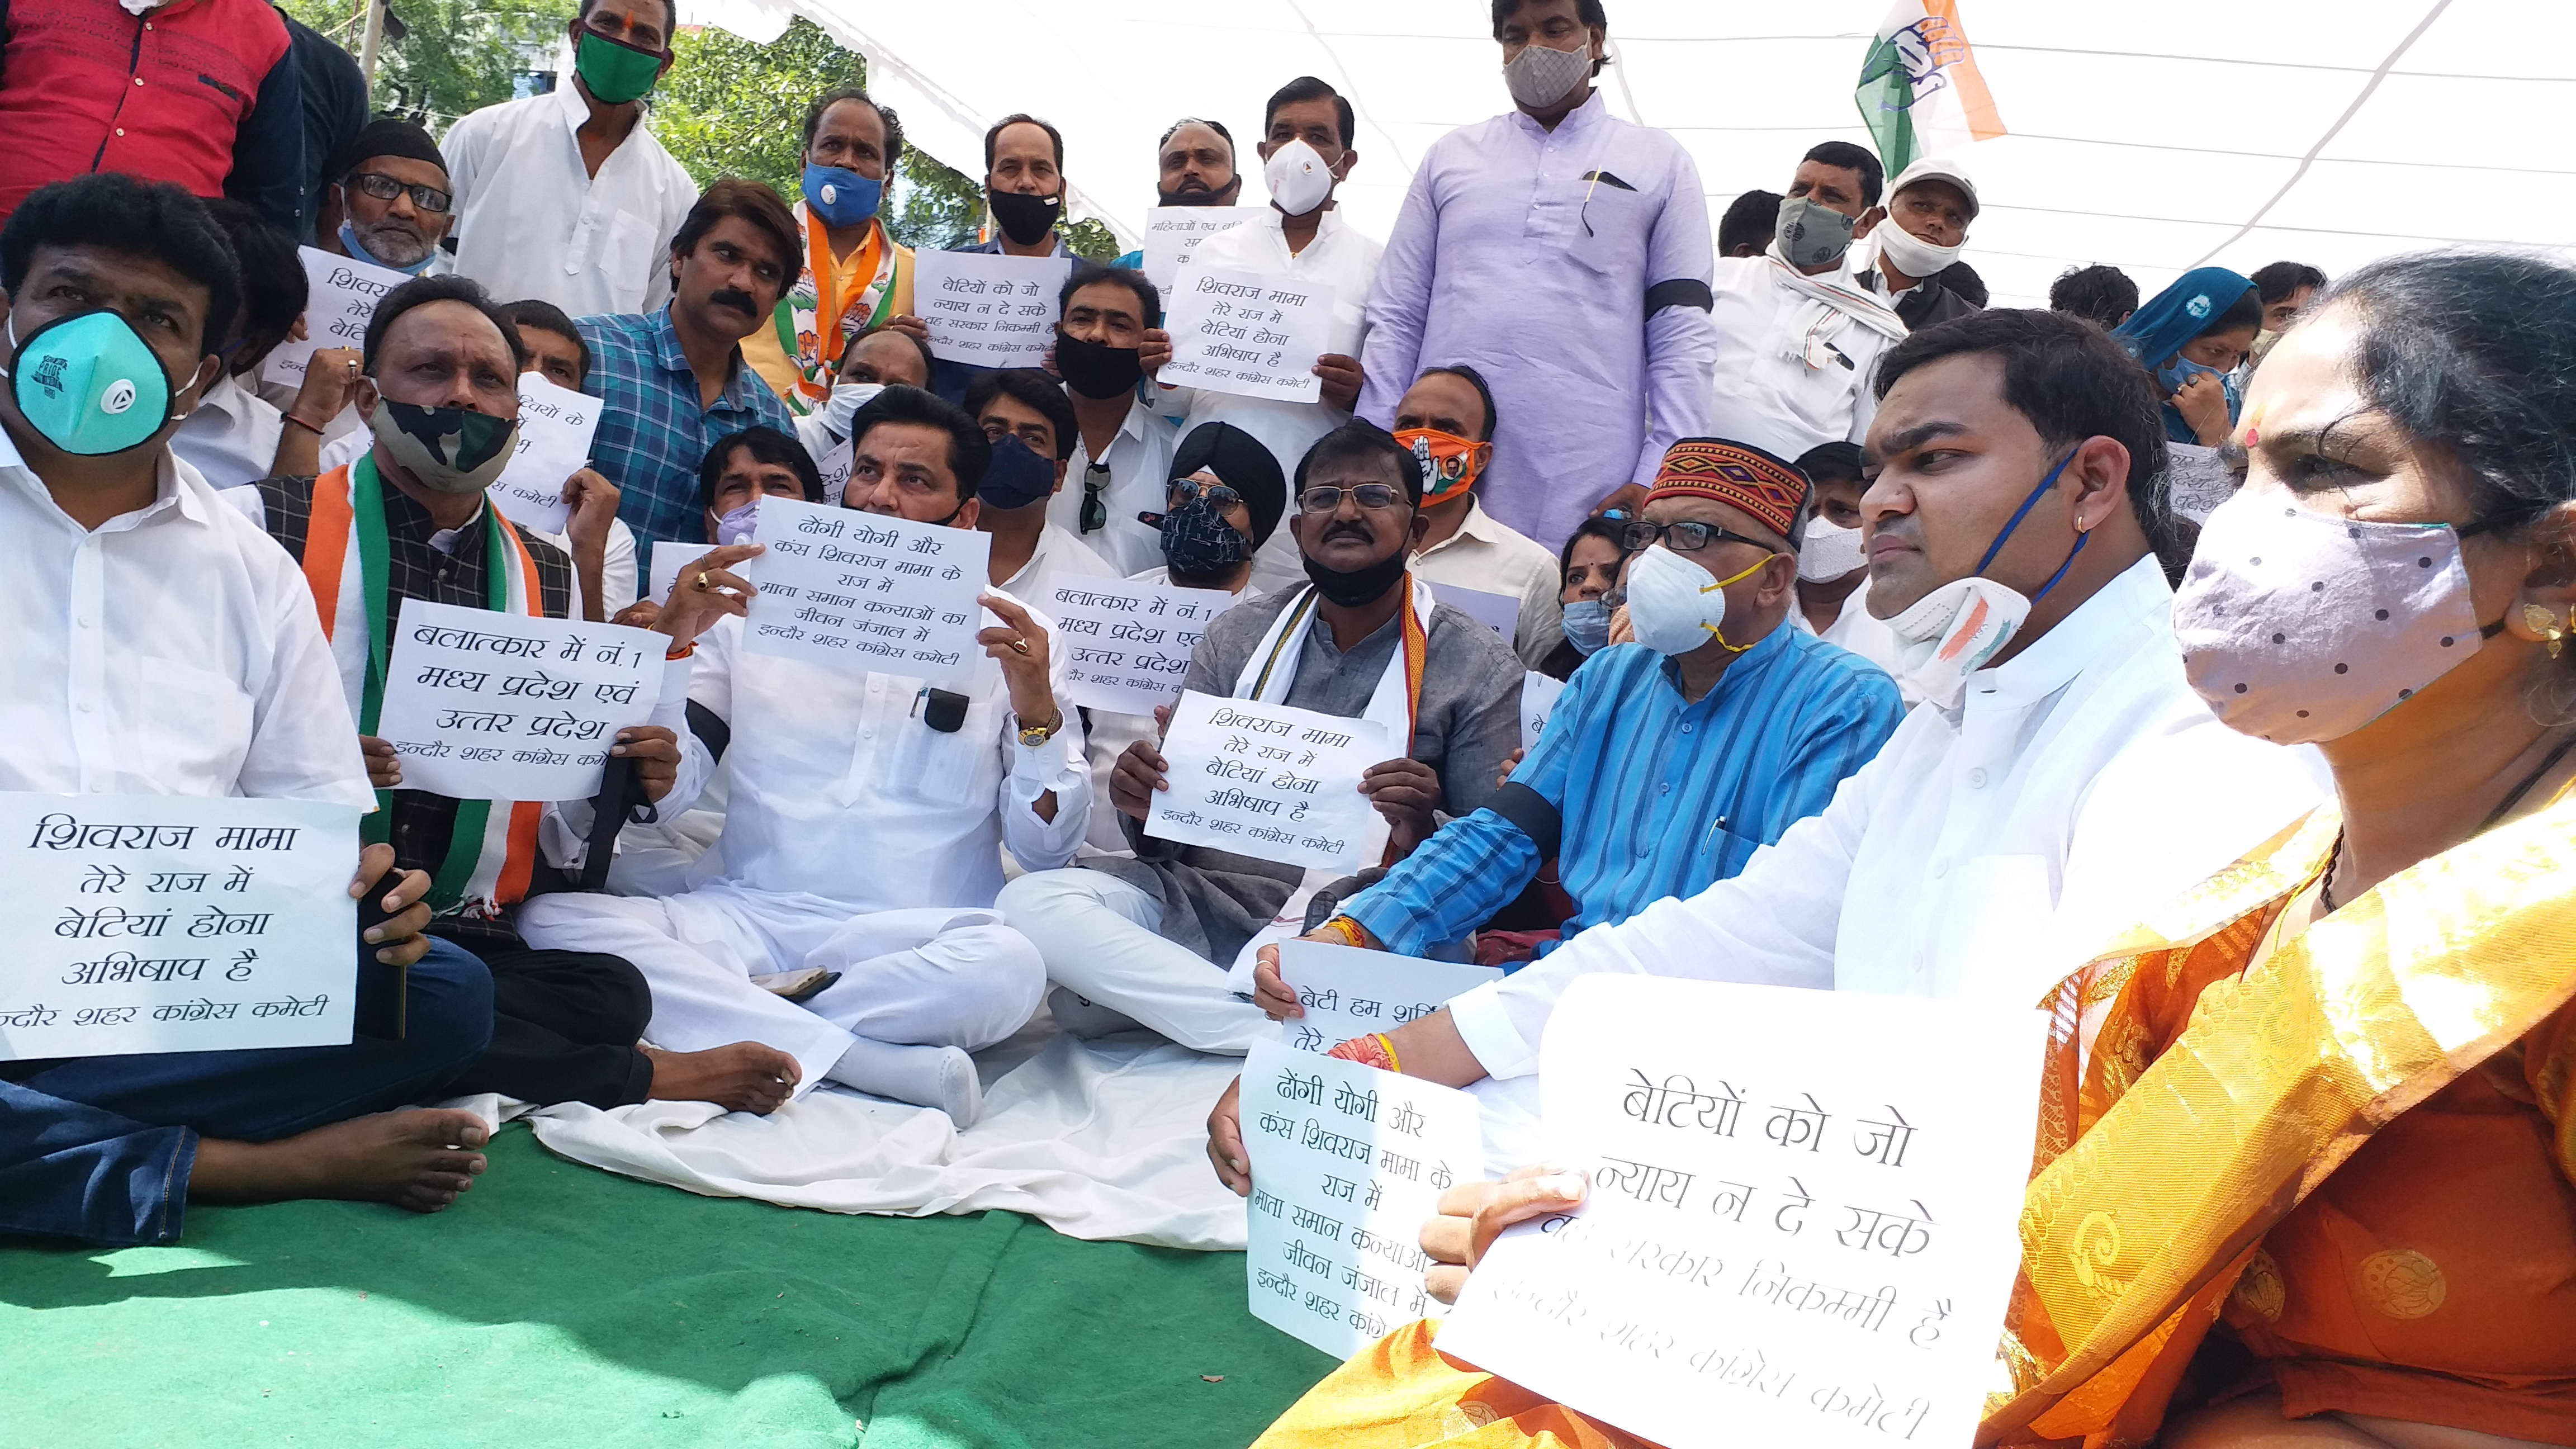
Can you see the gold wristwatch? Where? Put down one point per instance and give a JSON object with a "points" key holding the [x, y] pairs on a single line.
{"points": [[1036, 735]]}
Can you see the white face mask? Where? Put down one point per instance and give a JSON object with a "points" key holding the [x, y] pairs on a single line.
{"points": [[847, 399], [1911, 254], [1541, 77], [1952, 631], [1299, 180], [2298, 627], [1675, 606], [1829, 552]]}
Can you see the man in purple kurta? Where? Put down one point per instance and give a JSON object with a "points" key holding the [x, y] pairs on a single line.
{"points": [[1564, 254]]}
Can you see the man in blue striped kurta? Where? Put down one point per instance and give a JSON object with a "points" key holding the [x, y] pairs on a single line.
{"points": [[1667, 762]]}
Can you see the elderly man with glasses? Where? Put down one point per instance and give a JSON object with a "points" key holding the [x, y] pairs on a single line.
{"points": [[389, 202], [1147, 941]]}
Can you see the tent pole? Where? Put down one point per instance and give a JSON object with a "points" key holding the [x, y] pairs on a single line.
{"points": [[375, 33]]}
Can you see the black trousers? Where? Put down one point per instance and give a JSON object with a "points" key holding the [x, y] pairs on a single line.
{"points": [[564, 1027]]}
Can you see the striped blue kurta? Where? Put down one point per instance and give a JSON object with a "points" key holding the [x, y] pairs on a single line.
{"points": [[1659, 797]]}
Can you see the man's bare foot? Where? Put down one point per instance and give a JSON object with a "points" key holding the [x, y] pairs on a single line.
{"points": [[743, 1077], [418, 1160]]}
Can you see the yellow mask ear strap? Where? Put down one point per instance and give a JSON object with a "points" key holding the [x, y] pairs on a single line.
{"points": [[1748, 573]]}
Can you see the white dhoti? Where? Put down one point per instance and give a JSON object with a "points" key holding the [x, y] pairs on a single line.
{"points": [[932, 976], [1101, 940]]}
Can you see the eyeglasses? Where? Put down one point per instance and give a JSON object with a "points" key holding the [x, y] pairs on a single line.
{"points": [[1325, 498], [386, 188], [1095, 510], [1186, 491], [1643, 534]]}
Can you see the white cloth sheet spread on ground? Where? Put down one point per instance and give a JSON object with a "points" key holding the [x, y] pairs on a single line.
{"points": [[1101, 1140]]}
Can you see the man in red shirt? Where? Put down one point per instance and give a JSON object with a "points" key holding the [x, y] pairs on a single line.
{"points": [[199, 92]]}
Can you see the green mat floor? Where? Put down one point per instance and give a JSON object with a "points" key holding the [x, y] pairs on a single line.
{"points": [[560, 1305]]}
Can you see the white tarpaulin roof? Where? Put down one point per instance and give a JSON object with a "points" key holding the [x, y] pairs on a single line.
{"points": [[2152, 137]]}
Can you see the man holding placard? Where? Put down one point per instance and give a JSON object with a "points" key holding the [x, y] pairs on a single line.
{"points": [[868, 808], [674, 380], [1148, 941], [1024, 415], [1108, 340], [1308, 128], [411, 521], [162, 647]]}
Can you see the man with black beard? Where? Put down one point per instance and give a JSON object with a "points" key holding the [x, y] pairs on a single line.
{"points": [[1148, 941], [674, 381], [1194, 166]]}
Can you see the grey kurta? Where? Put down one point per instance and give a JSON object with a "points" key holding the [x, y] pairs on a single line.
{"points": [[1468, 720]]}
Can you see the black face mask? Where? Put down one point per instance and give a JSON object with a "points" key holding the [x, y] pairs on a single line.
{"points": [[1199, 546], [1361, 585], [1222, 196], [1094, 370], [1025, 219]]}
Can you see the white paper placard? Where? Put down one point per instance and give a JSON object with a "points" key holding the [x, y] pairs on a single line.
{"points": [[1173, 232], [1266, 780], [483, 705], [988, 309], [555, 428], [1538, 701], [1252, 336], [1347, 1163], [155, 923], [1348, 992], [2200, 480], [1126, 643], [867, 591], [670, 558], [835, 465], [1783, 1244], [1498, 612], [341, 295]]}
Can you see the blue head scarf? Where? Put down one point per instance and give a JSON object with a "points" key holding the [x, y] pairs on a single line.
{"points": [[2180, 313]]}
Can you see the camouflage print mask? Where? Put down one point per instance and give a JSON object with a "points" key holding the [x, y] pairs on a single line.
{"points": [[450, 450]]}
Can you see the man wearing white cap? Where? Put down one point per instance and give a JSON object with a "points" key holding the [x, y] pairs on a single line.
{"points": [[1916, 235]]}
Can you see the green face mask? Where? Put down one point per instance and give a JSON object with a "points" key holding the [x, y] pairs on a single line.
{"points": [[614, 72]]}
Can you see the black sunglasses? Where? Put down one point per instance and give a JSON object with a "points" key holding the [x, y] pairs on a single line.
{"points": [[1095, 510]]}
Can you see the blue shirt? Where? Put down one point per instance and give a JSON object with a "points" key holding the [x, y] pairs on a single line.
{"points": [[1659, 797], [653, 432]]}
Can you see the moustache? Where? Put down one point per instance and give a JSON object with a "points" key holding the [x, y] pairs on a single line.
{"points": [[737, 299], [1357, 528]]}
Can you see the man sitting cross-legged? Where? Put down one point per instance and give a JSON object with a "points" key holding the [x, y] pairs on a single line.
{"points": [[160, 646], [410, 520], [865, 819], [1149, 940]]}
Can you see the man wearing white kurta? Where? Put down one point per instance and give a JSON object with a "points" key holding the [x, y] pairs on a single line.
{"points": [[1307, 145], [863, 823], [2026, 810]]}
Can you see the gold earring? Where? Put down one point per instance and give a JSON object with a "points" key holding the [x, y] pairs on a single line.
{"points": [[2542, 622]]}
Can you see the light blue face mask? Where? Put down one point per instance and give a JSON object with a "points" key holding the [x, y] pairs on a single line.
{"points": [[840, 196], [89, 384], [1587, 626], [358, 249], [2182, 370]]}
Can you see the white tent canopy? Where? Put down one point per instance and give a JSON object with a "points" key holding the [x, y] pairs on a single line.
{"points": [[2155, 138]]}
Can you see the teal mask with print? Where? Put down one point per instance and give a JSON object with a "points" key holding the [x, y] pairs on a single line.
{"points": [[90, 384]]}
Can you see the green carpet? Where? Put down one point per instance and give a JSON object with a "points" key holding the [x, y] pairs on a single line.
{"points": [[560, 1305]]}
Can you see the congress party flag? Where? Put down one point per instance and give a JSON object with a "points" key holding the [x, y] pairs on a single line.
{"points": [[1920, 93]]}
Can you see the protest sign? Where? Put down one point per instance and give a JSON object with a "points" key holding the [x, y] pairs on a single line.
{"points": [[341, 295], [160, 923], [1126, 644], [555, 427], [2200, 479], [834, 465], [1498, 612], [1347, 992], [1173, 232], [1247, 335], [1347, 1162], [990, 310], [483, 705], [1801, 1227], [1267, 781], [671, 558], [1538, 701], [867, 591]]}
